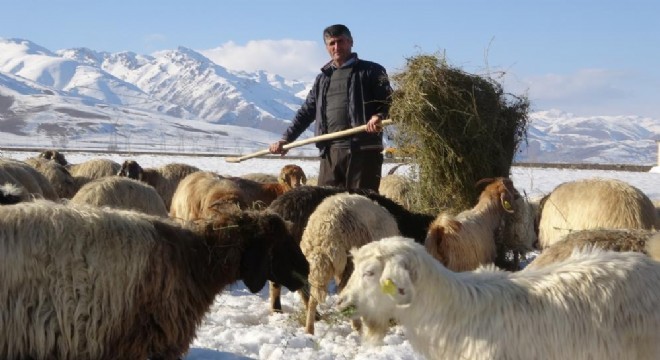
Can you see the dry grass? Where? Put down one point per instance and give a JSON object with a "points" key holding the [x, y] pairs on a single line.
{"points": [[459, 128]]}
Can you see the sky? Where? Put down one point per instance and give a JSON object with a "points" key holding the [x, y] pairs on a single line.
{"points": [[239, 325], [586, 57]]}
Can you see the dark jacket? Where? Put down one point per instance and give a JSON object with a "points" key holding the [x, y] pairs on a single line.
{"points": [[369, 93]]}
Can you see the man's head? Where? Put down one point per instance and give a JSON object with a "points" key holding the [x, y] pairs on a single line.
{"points": [[338, 42]]}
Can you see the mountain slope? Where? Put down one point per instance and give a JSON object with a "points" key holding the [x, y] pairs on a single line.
{"points": [[179, 100]]}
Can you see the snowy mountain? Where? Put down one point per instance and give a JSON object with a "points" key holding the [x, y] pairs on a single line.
{"points": [[559, 137], [179, 100]]}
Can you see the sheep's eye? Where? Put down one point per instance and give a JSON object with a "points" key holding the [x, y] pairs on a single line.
{"points": [[368, 273]]}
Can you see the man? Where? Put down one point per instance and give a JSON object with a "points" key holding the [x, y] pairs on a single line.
{"points": [[348, 92]]}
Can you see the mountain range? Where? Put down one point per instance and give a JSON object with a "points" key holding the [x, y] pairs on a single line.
{"points": [[179, 100]]}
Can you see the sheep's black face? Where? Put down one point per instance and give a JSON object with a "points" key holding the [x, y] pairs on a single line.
{"points": [[289, 267], [131, 169], [254, 266]]}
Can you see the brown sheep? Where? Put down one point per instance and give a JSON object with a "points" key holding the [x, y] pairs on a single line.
{"points": [[467, 240], [121, 193], [164, 179], [90, 283], [260, 177], [606, 239], [593, 204], [290, 174], [199, 193]]}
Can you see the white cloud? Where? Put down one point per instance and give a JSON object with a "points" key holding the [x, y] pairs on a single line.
{"points": [[292, 59], [583, 84], [587, 92], [153, 41]]}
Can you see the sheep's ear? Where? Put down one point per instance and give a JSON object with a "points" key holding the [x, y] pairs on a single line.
{"points": [[397, 281]]}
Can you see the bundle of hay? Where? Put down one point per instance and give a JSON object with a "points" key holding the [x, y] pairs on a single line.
{"points": [[458, 127]]}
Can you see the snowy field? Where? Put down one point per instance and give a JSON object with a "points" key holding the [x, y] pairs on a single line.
{"points": [[240, 326]]}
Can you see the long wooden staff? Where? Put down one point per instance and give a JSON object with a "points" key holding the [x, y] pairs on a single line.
{"points": [[330, 136]]}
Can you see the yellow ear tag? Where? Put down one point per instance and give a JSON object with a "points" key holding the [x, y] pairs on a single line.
{"points": [[388, 287]]}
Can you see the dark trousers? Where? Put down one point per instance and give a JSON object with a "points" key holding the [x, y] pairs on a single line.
{"points": [[350, 168]]}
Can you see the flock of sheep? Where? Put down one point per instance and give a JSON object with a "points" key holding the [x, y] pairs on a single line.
{"points": [[102, 260]]}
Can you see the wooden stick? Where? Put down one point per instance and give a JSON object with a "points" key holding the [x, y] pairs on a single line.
{"points": [[330, 136]]}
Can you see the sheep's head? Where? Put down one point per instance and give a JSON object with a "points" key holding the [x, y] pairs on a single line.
{"points": [[383, 280], [293, 176], [131, 169], [270, 253], [501, 188], [54, 155]]}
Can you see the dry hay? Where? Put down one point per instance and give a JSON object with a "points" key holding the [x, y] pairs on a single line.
{"points": [[458, 127]]}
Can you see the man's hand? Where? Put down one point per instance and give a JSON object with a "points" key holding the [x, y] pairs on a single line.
{"points": [[375, 124], [277, 147]]}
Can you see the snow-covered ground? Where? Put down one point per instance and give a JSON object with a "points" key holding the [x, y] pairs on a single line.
{"points": [[240, 326]]}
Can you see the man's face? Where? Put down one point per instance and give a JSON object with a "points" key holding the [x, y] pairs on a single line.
{"points": [[339, 48]]}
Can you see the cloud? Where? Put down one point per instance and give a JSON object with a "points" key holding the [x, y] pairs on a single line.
{"points": [[153, 41], [586, 91], [585, 84], [292, 59]]}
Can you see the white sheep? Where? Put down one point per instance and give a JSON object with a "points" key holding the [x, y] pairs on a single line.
{"points": [[164, 179], [467, 240], [398, 188], [121, 193], [20, 173], [338, 224], [89, 283], [593, 305], [60, 178], [93, 169], [592, 204]]}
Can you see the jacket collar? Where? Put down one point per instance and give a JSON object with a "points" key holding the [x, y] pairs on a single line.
{"points": [[329, 67]]}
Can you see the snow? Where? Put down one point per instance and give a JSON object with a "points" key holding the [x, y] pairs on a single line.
{"points": [[239, 324]]}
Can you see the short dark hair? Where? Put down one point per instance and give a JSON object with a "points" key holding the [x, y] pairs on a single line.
{"points": [[336, 30]]}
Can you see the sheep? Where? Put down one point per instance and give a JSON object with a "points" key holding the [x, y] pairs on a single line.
{"points": [[260, 177], [20, 173], [594, 305], [398, 188], [11, 193], [297, 205], [121, 193], [164, 179], [592, 204], [290, 174], [339, 223], [467, 240], [60, 178], [199, 193], [55, 156], [91, 283], [519, 233], [94, 169], [607, 239]]}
